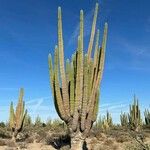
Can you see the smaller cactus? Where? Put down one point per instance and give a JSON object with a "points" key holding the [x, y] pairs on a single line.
{"points": [[27, 121], [109, 119], [124, 119], [134, 116], [38, 121], [16, 119], [147, 117], [105, 123]]}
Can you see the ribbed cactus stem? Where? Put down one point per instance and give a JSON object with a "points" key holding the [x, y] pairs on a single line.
{"points": [[58, 100], [61, 63], [95, 64], [95, 111], [72, 89], [92, 33], [85, 95], [51, 72], [11, 116], [78, 88]]}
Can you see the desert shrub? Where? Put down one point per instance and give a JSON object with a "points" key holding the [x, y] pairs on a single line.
{"points": [[4, 133], [2, 142], [30, 139], [22, 145], [11, 143], [2, 124], [49, 122], [58, 140], [109, 142], [122, 138]]}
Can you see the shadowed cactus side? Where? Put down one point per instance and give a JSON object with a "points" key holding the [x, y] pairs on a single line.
{"points": [[16, 118], [75, 85], [134, 116]]}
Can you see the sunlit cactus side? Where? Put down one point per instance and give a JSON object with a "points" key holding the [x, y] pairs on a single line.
{"points": [[16, 118], [124, 119], [147, 117], [75, 85], [134, 116]]}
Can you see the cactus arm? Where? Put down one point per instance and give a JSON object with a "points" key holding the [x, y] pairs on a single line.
{"points": [[12, 116], [90, 68], [97, 81], [85, 95], [51, 73], [72, 89], [103, 52], [59, 101], [22, 121], [95, 65], [19, 109], [81, 28], [92, 33], [77, 89], [81, 61], [95, 111], [61, 61], [100, 70], [67, 71]]}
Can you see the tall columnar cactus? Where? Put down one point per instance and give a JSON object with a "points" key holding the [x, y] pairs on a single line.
{"points": [[16, 118], [147, 117], [124, 119], [75, 87], [134, 116]]}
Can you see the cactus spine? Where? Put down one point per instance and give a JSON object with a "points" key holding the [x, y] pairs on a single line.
{"points": [[147, 117], [16, 119], [134, 116], [76, 88]]}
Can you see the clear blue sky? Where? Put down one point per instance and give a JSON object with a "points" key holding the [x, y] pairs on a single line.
{"points": [[28, 32]]}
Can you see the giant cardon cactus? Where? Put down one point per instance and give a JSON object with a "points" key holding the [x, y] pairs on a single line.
{"points": [[75, 86], [16, 119]]}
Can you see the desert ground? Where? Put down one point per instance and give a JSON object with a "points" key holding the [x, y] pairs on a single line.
{"points": [[52, 138]]}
